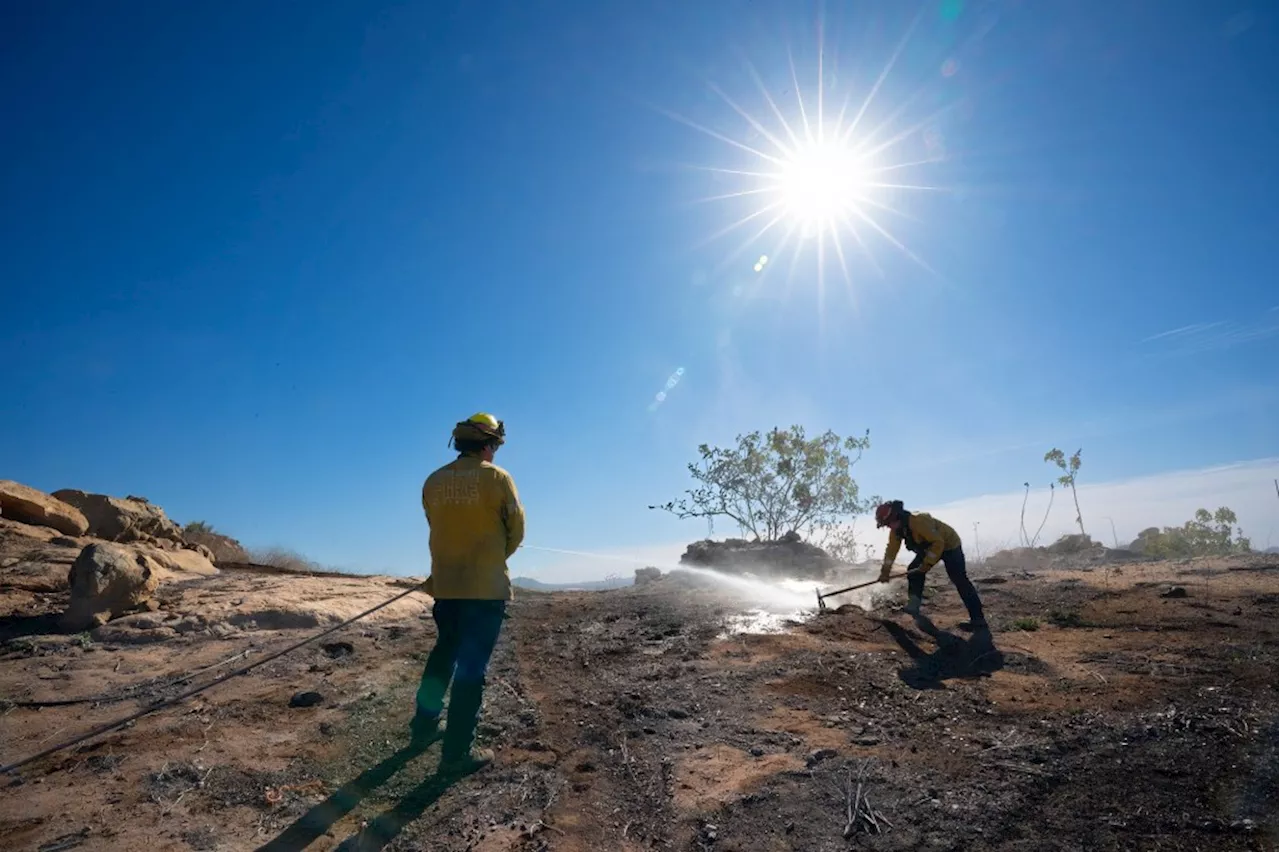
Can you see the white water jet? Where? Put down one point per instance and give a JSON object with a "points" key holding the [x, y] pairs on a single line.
{"points": [[776, 601]]}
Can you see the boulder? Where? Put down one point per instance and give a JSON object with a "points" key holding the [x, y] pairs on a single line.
{"points": [[180, 564], [28, 505], [133, 630], [122, 519], [788, 558], [1074, 543], [108, 581], [200, 549], [222, 548], [648, 575]]}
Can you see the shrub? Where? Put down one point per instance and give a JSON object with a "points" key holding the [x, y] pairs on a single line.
{"points": [[1066, 618], [285, 560], [1205, 535]]}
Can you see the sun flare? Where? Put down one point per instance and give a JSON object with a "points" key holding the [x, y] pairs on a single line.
{"points": [[828, 175]]}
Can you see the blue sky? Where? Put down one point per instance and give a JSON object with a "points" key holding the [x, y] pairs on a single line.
{"points": [[258, 258]]}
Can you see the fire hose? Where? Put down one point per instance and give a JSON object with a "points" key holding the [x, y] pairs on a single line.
{"points": [[177, 699]]}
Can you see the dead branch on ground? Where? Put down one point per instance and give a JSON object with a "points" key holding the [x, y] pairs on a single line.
{"points": [[859, 812]]}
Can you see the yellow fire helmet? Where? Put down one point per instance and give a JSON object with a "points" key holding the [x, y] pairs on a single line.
{"points": [[480, 427]]}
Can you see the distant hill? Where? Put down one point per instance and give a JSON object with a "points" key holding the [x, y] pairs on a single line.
{"points": [[589, 586]]}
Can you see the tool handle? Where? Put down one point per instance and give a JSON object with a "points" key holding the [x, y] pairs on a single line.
{"points": [[861, 585]]}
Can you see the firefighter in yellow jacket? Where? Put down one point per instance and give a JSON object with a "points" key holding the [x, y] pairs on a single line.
{"points": [[477, 523], [931, 541]]}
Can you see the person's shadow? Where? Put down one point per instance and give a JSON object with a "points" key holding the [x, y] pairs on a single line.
{"points": [[320, 818], [379, 832], [955, 657]]}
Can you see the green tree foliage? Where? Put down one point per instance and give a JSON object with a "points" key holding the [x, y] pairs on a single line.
{"points": [[774, 483], [199, 528], [1069, 467], [1205, 535]]}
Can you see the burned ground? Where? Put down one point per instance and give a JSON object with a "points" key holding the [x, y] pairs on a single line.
{"points": [[627, 720]]}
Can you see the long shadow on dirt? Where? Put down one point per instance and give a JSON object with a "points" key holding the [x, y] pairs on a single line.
{"points": [[17, 626], [955, 657], [388, 825], [315, 822]]}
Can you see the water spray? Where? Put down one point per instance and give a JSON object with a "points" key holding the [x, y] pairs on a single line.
{"points": [[775, 593], [751, 586]]}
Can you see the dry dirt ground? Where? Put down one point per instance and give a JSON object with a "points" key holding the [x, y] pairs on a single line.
{"points": [[627, 720]]}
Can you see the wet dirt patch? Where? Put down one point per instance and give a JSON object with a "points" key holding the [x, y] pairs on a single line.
{"points": [[762, 621]]}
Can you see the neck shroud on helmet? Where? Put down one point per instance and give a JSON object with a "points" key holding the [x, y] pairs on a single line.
{"points": [[478, 433]]}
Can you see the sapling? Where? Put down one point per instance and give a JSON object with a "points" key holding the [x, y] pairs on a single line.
{"points": [[1069, 467]]}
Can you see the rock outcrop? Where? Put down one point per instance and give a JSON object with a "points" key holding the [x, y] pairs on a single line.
{"points": [[180, 563], [648, 575], [789, 558], [35, 559], [38, 559], [123, 519], [107, 581], [28, 505], [215, 546]]}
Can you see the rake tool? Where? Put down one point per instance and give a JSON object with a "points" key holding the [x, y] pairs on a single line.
{"points": [[822, 605]]}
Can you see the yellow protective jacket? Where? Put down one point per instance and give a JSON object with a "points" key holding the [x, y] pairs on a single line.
{"points": [[922, 533], [476, 522]]}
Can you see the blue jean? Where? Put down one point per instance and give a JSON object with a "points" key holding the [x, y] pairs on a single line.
{"points": [[467, 631], [953, 561]]}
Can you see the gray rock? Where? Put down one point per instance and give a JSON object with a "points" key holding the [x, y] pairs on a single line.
{"points": [[116, 633], [789, 557], [108, 581], [305, 699], [818, 755]]}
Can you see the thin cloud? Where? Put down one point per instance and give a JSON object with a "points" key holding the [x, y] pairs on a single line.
{"points": [[1115, 512], [1184, 331], [1208, 336]]}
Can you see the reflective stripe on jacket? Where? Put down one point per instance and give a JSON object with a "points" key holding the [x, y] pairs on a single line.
{"points": [[922, 532]]}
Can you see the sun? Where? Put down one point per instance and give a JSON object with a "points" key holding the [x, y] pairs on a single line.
{"points": [[820, 184], [828, 176]]}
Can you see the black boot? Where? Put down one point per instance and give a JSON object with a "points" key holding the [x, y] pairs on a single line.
{"points": [[457, 757]]}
